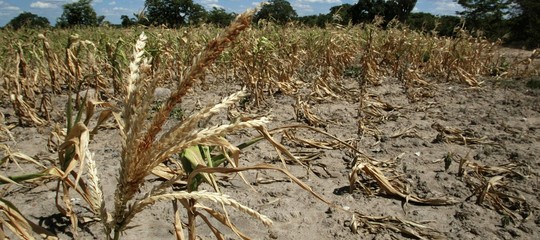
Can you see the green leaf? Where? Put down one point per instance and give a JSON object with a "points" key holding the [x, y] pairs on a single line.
{"points": [[197, 155], [219, 159], [21, 178]]}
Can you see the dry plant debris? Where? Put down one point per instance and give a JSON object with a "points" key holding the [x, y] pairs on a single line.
{"points": [[373, 224], [392, 188], [492, 185]]}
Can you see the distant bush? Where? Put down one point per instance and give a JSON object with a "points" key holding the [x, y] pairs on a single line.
{"points": [[28, 20]]}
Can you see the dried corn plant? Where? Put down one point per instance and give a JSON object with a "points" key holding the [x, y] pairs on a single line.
{"points": [[305, 155], [416, 59], [459, 136], [52, 65], [10, 216], [25, 112], [492, 186], [5, 133], [82, 67], [146, 146], [13, 220], [376, 224], [15, 157], [115, 55], [283, 60], [391, 186], [369, 172], [497, 192], [372, 110], [76, 169], [72, 156], [271, 64], [303, 113], [20, 87], [518, 68]]}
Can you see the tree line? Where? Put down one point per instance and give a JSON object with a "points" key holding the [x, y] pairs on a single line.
{"points": [[513, 21]]}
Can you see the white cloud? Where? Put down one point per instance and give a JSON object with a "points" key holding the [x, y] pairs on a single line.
{"points": [[40, 4], [11, 8], [447, 7], [112, 3], [302, 9], [208, 2], [116, 12], [121, 9], [213, 5], [7, 8]]}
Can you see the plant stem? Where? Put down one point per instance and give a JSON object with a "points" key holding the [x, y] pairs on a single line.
{"points": [[191, 220], [116, 234]]}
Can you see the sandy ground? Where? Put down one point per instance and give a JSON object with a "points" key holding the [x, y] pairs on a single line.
{"points": [[505, 115]]}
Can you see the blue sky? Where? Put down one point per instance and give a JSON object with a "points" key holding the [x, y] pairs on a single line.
{"points": [[113, 9]]}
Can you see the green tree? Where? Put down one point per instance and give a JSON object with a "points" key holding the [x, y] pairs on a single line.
{"points": [[127, 22], [196, 14], [79, 13], [448, 24], [422, 21], [174, 13], [315, 20], [367, 10], [220, 17], [399, 9], [278, 11], [28, 20], [489, 16], [526, 22], [443, 25]]}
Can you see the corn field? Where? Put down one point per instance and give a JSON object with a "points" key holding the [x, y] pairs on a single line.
{"points": [[199, 121]]}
